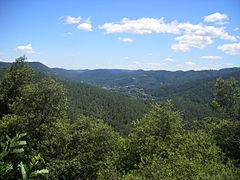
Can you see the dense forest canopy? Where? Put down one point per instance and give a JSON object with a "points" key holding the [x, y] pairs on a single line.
{"points": [[57, 129]]}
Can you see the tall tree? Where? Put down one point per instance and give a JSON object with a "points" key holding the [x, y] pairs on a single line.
{"points": [[18, 75], [227, 107], [36, 107], [227, 98]]}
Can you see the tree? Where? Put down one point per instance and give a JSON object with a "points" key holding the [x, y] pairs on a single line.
{"points": [[227, 98], [92, 143], [19, 74], [227, 106], [158, 125], [38, 105], [160, 147], [193, 155]]}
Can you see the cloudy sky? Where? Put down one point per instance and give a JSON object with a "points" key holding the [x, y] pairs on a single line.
{"points": [[124, 34]]}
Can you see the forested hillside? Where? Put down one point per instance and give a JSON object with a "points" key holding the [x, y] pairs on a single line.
{"points": [[116, 110], [56, 129], [194, 85]]}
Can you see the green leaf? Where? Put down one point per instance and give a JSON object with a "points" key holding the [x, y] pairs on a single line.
{"points": [[18, 150], [38, 172], [23, 171], [21, 143], [2, 144]]}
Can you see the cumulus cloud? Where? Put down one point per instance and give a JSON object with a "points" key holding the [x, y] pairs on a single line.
{"points": [[85, 26], [216, 18], [129, 40], [231, 49], [199, 36], [187, 41], [190, 63], [180, 47], [168, 59], [202, 30], [26, 49], [70, 19], [141, 26], [210, 57], [192, 35]]}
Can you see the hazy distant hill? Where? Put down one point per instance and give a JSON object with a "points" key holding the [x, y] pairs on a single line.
{"points": [[194, 85], [36, 66]]}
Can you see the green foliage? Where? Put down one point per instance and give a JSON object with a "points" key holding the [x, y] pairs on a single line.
{"points": [[29, 172], [18, 75], [158, 125], [92, 141], [8, 165], [160, 147], [11, 146], [49, 100], [227, 98], [115, 109], [227, 105], [39, 106]]}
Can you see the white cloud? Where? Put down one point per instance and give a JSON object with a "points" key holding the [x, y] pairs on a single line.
{"points": [[210, 57], [168, 59], [192, 35], [126, 57], [215, 18], [180, 47], [149, 54], [85, 27], [187, 41], [85, 24], [70, 19], [199, 36], [141, 26], [129, 40], [202, 30], [231, 49], [190, 63], [236, 29], [27, 49], [222, 23]]}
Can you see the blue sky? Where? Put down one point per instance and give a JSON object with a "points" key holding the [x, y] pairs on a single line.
{"points": [[126, 34]]}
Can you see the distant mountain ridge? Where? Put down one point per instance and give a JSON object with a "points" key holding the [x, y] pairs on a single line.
{"points": [[106, 74], [139, 83]]}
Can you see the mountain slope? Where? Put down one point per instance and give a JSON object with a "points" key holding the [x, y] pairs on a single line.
{"points": [[196, 85]]}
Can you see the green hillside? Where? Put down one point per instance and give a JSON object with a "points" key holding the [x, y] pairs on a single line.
{"points": [[115, 109], [195, 85]]}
